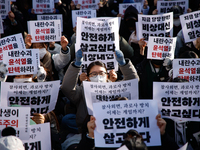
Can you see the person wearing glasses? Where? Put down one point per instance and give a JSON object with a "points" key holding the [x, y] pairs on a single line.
{"points": [[96, 72]]}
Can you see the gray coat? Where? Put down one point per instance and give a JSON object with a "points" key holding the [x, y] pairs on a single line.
{"points": [[75, 93]]}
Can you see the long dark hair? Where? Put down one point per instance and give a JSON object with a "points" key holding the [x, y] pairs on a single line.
{"points": [[96, 63]]}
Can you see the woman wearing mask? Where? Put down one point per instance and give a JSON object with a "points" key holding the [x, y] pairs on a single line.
{"points": [[96, 72], [52, 63]]}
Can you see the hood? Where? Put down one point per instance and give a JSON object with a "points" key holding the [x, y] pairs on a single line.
{"points": [[131, 12]]}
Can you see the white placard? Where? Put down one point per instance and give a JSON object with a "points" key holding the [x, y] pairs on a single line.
{"points": [[187, 69], [98, 37], [21, 62], [82, 14], [40, 138], [107, 18], [75, 2], [43, 6], [16, 117], [115, 118], [45, 30], [40, 96], [99, 92], [11, 43], [1, 25], [123, 148], [52, 17], [5, 7], [155, 25], [165, 6], [184, 147], [88, 4], [190, 26], [161, 47], [124, 6], [177, 100]]}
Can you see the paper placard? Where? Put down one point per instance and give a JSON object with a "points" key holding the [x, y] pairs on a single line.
{"points": [[190, 26], [52, 17], [114, 119], [161, 47], [82, 14], [165, 6], [45, 30], [40, 138], [187, 69], [88, 4], [16, 117], [1, 25], [43, 6], [40, 96], [12, 42], [178, 101], [98, 37], [99, 92], [155, 25], [5, 7], [21, 62]]}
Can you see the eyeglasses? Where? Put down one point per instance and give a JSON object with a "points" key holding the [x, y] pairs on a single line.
{"points": [[92, 74]]}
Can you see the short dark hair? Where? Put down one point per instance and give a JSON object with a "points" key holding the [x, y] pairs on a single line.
{"points": [[8, 131], [96, 63], [134, 141]]}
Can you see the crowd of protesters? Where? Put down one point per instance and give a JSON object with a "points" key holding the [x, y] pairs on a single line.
{"points": [[71, 126]]}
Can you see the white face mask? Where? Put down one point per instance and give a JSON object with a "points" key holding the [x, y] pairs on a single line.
{"points": [[98, 78], [42, 52], [23, 80], [177, 22]]}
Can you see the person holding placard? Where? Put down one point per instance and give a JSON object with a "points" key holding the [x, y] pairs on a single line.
{"points": [[87, 141], [53, 63], [128, 25], [149, 71], [96, 72]]}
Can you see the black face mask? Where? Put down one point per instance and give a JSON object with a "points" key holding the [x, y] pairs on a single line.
{"points": [[157, 62], [51, 48], [130, 23]]}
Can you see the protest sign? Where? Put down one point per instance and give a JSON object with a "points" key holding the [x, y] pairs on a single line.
{"points": [[16, 117], [165, 6], [45, 30], [21, 62], [99, 92], [187, 69], [123, 148], [75, 2], [107, 18], [5, 7], [184, 147], [161, 47], [155, 25], [11, 43], [190, 26], [88, 4], [43, 6], [97, 38], [114, 119], [82, 14], [178, 100], [40, 96], [52, 17], [39, 139], [1, 26], [124, 6]]}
